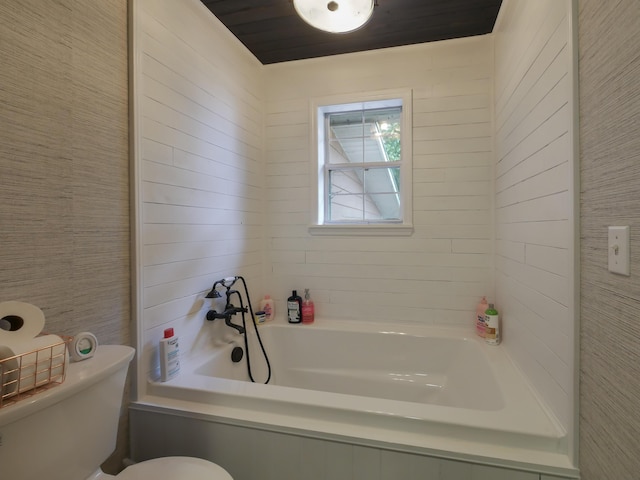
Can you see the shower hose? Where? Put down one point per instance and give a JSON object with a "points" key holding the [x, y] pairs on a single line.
{"points": [[255, 327]]}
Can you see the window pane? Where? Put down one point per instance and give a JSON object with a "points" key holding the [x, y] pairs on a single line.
{"points": [[346, 138], [387, 207], [348, 150], [346, 208], [381, 187], [382, 180], [391, 144], [363, 194], [349, 124], [362, 160], [364, 136], [347, 119], [346, 195], [385, 124], [349, 181], [383, 116]]}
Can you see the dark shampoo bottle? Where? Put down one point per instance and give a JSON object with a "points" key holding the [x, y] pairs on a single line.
{"points": [[294, 308]]}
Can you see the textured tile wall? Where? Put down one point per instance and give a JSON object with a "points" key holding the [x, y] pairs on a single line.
{"points": [[609, 33], [64, 169]]}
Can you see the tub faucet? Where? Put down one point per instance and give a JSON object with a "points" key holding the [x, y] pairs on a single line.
{"points": [[229, 312], [223, 308], [229, 309]]}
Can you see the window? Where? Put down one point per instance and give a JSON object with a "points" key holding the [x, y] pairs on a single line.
{"points": [[363, 165]]}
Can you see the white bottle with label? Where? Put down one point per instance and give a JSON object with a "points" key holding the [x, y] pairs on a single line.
{"points": [[169, 356]]}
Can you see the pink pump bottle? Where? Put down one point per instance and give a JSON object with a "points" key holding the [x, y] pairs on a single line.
{"points": [[308, 309]]}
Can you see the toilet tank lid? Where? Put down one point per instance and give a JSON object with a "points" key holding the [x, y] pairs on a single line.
{"points": [[108, 359], [171, 468]]}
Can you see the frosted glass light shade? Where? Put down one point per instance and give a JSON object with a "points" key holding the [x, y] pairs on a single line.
{"points": [[335, 16]]}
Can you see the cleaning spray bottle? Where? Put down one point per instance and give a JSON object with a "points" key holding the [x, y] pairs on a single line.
{"points": [[308, 309]]}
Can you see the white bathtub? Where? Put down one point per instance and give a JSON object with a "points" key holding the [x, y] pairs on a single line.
{"points": [[434, 391]]}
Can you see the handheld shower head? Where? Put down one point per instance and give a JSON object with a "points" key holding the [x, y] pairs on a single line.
{"points": [[226, 282]]}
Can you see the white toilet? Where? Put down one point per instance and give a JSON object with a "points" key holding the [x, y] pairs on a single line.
{"points": [[67, 431]]}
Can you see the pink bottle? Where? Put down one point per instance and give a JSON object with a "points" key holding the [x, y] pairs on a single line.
{"points": [[308, 309], [480, 323], [267, 306]]}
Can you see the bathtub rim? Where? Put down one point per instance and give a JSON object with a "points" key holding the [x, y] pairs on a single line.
{"points": [[517, 390], [548, 456]]}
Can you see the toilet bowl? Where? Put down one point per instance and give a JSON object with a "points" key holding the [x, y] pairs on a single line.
{"points": [[70, 429], [172, 468]]}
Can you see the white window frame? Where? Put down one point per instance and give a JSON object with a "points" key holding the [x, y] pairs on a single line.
{"points": [[336, 103]]}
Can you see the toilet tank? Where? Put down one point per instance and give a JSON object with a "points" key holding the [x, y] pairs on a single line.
{"points": [[67, 431]]}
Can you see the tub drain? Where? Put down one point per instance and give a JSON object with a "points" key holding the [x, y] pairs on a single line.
{"points": [[236, 354]]}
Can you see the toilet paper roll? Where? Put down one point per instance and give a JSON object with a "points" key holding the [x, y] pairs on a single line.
{"points": [[19, 322], [41, 360]]}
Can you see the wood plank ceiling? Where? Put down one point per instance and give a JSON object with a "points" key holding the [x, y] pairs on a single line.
{"points": [[274, 33]]}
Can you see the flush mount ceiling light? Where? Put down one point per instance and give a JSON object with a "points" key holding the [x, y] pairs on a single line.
{"points": [[335, 16]]}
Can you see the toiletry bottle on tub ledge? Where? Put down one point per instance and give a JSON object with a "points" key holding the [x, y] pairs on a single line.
{"points": [[169, 356], [267, 306], [308, 309], [480, 309], [294, 308], [492, 326]]}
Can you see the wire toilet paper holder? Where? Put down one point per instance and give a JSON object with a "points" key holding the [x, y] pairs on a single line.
{"points": [[46, 368]]}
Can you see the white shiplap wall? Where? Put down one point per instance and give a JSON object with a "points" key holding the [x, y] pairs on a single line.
{"points": [[438, 274], [199, 121], [204, 175], [534, 194]]}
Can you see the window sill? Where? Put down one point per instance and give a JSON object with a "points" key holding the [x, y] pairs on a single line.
{"points": [[390, 230]]}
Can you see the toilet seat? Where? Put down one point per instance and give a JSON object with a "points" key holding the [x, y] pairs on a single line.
{"points": [[172, 468]]}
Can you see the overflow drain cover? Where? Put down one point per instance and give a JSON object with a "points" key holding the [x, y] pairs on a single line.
{"points": [[236, 354]]}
